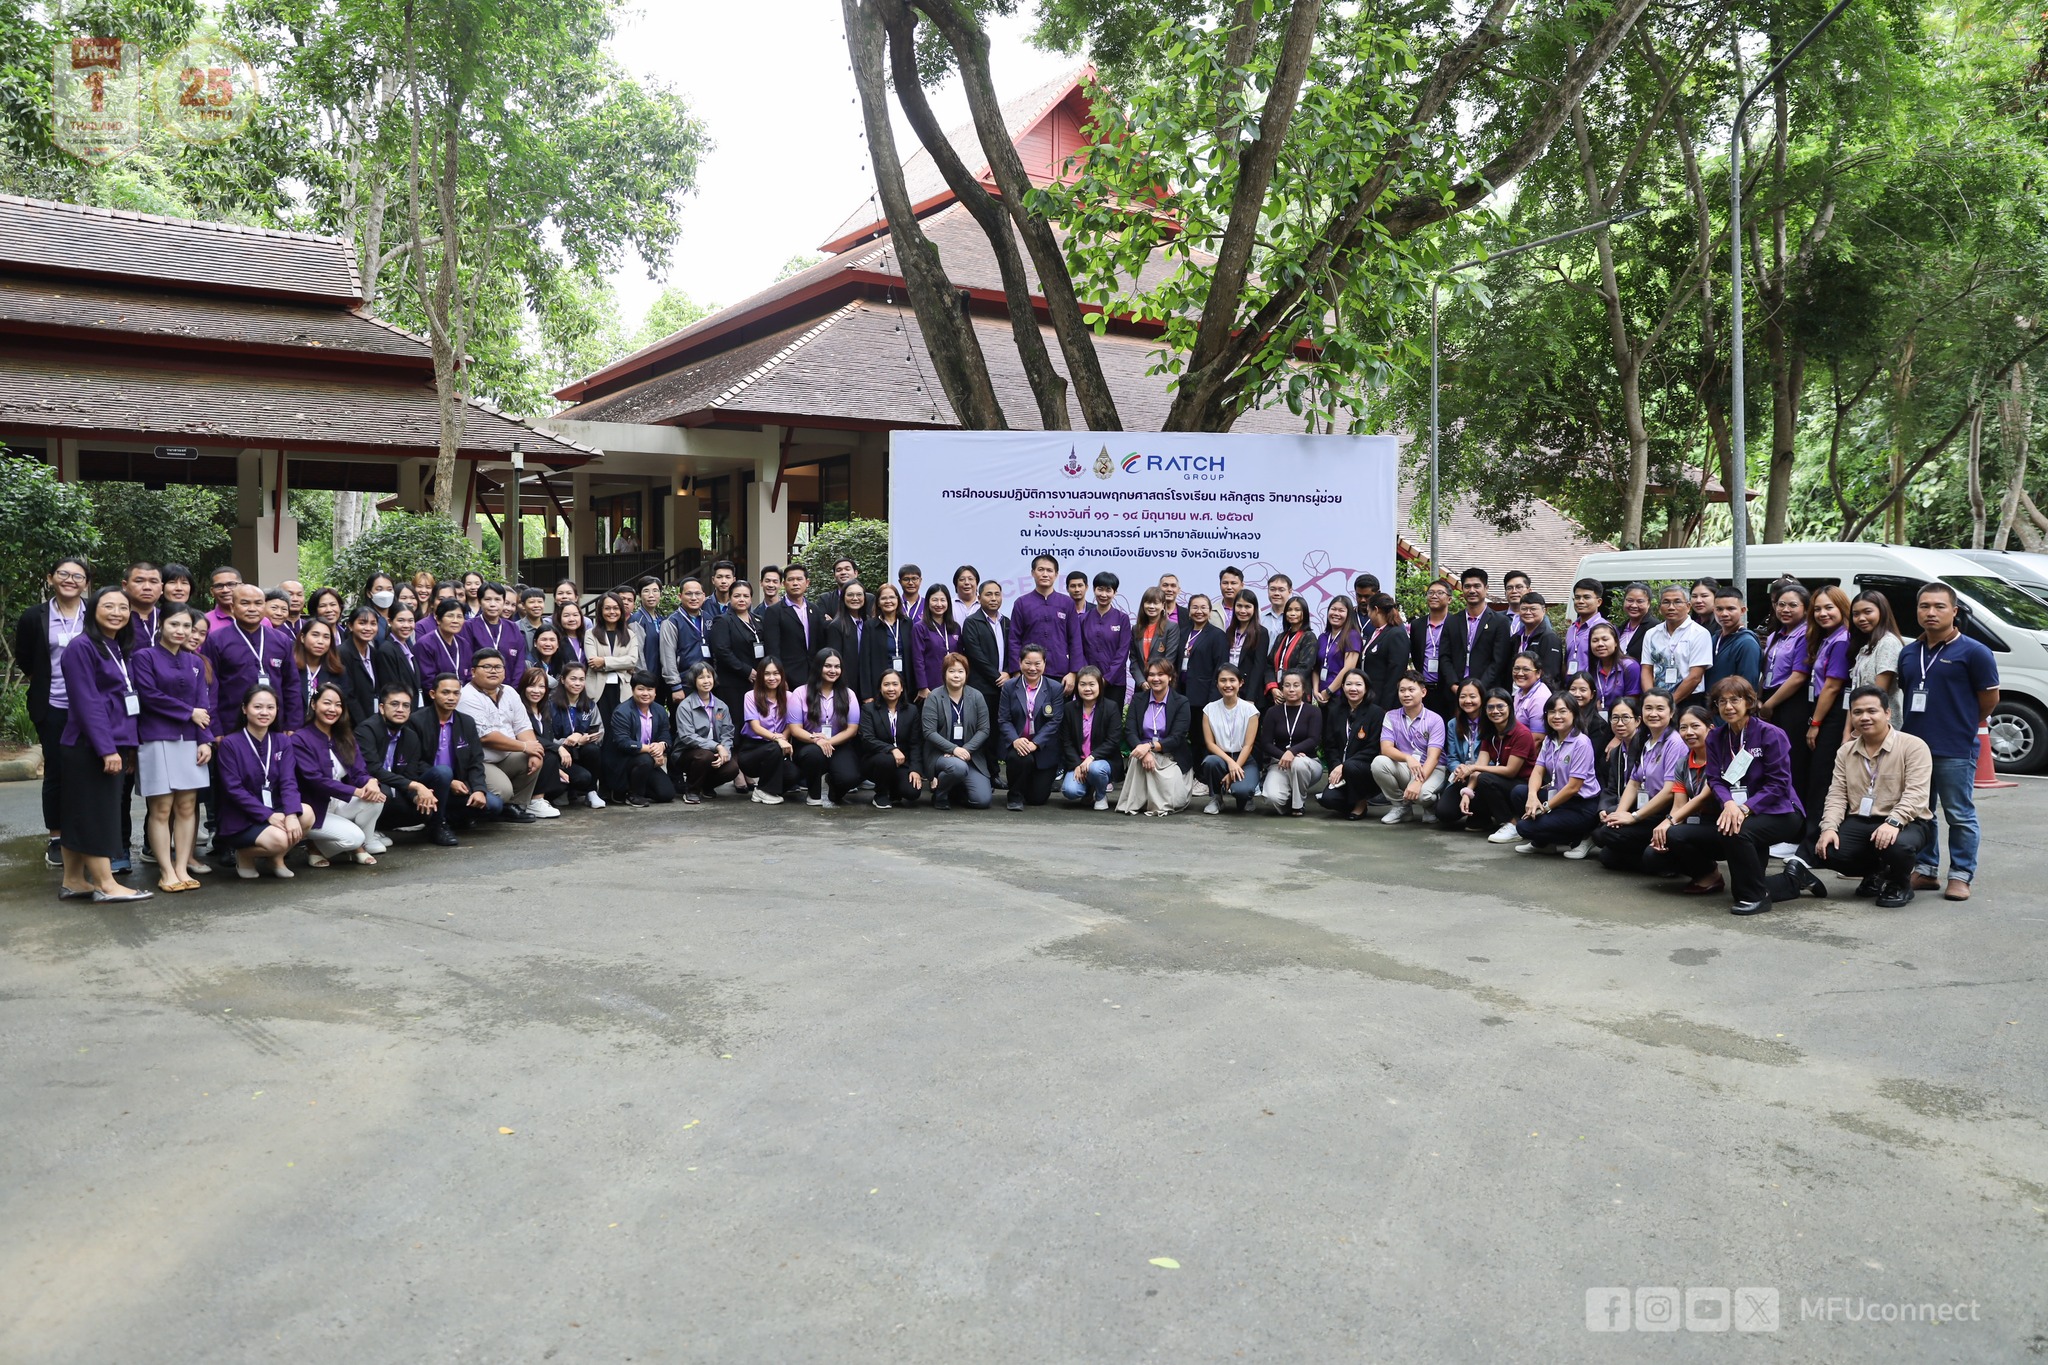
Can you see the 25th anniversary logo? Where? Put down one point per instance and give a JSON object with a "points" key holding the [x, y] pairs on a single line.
{"points": [[105, 91]]}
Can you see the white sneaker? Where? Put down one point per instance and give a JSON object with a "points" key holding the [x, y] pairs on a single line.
{"points": [[377, 844], [1212, 808], [827, 802], [596, 801], [1784, 850], [540, 809], [1428, 814], [1396, 815], [1506, 834], [1102, 803], [1526, 848], [765, 799], [1583, 848], [814, 800], [1199, 789]]}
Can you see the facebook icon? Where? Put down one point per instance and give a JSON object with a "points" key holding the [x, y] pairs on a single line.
{"points": [[1607, 1310]]}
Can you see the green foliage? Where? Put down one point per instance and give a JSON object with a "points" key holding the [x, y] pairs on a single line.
{"points": [[798, 264], [403, 543], [863, 541], [179, 524], [673, 310], [16, 727], [41, 520]]}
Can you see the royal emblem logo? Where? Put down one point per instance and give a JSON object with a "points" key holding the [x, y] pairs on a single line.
{"points": [[1072, 468], [1104, 466]]}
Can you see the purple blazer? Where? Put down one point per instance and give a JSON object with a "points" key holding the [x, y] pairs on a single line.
{"points": [[928, 650], [237, 662], [1051, 622], [96, 687], [1769, 779], [313, 756], [506, 639], [433, 656], [1106, 643], [244, 772], [172, 687]]}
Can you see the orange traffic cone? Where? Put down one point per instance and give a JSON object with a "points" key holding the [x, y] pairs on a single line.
{"points": [[1987, 774]]}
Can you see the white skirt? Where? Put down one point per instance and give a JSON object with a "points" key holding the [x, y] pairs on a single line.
{"points": [[170, 765]]}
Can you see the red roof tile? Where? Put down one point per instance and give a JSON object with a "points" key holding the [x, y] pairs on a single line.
{"points": [[199, 321]]}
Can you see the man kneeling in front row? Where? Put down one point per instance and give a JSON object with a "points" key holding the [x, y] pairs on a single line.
{"points": [[1877, 818]]}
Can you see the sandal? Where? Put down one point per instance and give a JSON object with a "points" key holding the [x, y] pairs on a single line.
{"points": [[316, 860], [1704, 889], [364, 858], [171, 888]]}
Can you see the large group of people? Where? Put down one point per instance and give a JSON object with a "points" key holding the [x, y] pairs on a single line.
{"points": [[1668, 739]]}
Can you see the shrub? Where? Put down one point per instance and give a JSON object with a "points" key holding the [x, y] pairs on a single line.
{"points": [[41, 520], [403, 543], [866, 543]]}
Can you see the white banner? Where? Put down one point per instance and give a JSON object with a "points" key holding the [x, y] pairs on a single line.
{"points": [[1320, 509]]}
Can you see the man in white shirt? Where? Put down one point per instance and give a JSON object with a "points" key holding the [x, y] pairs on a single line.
{"points": [[1677, 653], [1279, 588], [512, 752]]}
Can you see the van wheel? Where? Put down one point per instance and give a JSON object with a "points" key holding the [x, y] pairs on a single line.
{"points": [[2019, 738]]}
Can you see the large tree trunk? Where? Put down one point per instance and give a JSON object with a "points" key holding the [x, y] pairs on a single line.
{"points": [[2015, 417], [1625, 356], [948, 332], [1975, 447], [1902, 436]]}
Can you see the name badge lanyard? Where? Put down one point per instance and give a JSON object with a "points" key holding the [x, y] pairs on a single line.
{"points": [[759, 650], [262, 756], [1870, 765], [895, 658], [262, 673], [959, 717], [129, 701], [1918, 696]]}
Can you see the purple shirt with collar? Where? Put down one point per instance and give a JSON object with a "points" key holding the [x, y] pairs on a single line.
{"points": [[1659, 764], [239, 658], [1105, 642], [1330, 652], [97, 680], [1432, 648], [1529, 704], [1417, 736], [1578, 643], [434, 655], [1050, 622], [928, 650], [1564, 760], [172, 687], [1624, 680], [1784, 656], [505, 637], [246, 767], [1769, 779], [1831, 660]]}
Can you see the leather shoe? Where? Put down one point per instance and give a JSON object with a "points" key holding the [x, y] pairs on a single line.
{"points": [[1892, 897], [1696, 889], [444, 836], [1803, 878], [1957, 890], [513, 815], [1923, 882], [1750, 907], [1873, 885]]}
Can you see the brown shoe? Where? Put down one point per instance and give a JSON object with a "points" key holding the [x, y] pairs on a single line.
{"points": [[1957, 891], [1923, 882], [1704, 888]]}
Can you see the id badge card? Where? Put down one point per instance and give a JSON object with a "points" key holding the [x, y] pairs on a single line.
{"points": [[1738, 796], [1429, 662], [959, 733], [133, 704], [704, 647], [896, 663], [1738, 767], [760, 650], [1813, 687], [1919, 701], [1869, 806], [266, 796], [262, 678]]}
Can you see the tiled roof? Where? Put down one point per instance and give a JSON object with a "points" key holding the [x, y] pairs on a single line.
{"points": [[142, 313], [1548, 546], [921, 177], [73, 239], [62, 392]]}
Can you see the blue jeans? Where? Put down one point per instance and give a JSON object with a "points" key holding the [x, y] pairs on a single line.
{"points": [[1214, 770], [458, 810], [1095, 789], [1955, 796]]}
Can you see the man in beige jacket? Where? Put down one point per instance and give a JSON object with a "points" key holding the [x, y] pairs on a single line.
{"points": [[1877, 817]]}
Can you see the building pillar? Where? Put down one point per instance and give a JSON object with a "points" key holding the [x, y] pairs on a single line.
{"points": [[582, 527], [869, 494], [512, 531], [266, 536], [679, 524], [767, 517], [412, 484], [63, 454]]}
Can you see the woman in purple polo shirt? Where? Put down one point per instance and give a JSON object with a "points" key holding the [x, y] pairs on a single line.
{"points": [[1531, 693], [1337, 648], [97, 746], [1827, 682], [824, 729], [335, 785], [1785, 703], [1625, 830], [1562, 805], [1678, 845], [765, 752], [934, 635], [1749, 765], [175, 743], [1615, 675]]}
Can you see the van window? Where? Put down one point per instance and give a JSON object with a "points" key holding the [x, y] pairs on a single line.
{"points": [[2002, 600]]}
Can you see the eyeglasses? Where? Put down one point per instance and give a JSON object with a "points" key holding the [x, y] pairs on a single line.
{"points": [[68, 576]]}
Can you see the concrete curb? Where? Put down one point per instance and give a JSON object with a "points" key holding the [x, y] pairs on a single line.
{"points": [[27, 769]]}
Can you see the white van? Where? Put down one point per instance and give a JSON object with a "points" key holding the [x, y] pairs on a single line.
{"points": [[2023, 567], [2011, 622]]}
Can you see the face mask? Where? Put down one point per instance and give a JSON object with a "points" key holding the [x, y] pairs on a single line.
{"points": [[383, 600]]}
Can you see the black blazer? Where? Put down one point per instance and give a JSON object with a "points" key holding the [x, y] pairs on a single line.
{"points": [[1300, 658], [1165, 645], [1013, 722], [373, 738], [393, 665], [732, 655], [1202, 657], [1109, 733], [986, 657], [622, 736], [1490, 653], [1384, 660], [32, 657], [1254, 663], [1351, 736], [876, 659], [1548, 648], [874, 732], [783, 632], [468, 747], [1174, 741], [843, 635]]}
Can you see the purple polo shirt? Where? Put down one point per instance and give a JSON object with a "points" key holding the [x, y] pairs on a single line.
{"points": [[1048, 621], [505, 637], [1432, 650], [775, 722], [1624, 680], [1578, 643], [1417, 736], [1564, 760], [1529, 704], [1659, 764], [1330, 652], [1784, 656], [1105, 643], [1831, 660], [928, 651]]}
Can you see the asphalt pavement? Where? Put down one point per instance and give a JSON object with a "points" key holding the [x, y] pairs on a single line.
{"points": [[790, 1085]]}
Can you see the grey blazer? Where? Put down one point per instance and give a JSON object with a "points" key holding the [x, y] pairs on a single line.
{"points": [[938, 729], [703, 723]]}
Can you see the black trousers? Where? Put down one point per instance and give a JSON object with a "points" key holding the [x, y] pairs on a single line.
{"points": [[1820, 771], [1442, 698], [1856, 855], [549, 784], [837, 772], [642, 776], [1791, 717], [49, 732], [1030, 783], [1687, 851], [891, 779], [1621, 847], [400, 810], [1745, 852], [762, 760], [1358, 786], [1450, 812], [1499, 798]]}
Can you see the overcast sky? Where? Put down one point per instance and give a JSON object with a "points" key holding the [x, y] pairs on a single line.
{"points": [[770, 81]]}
